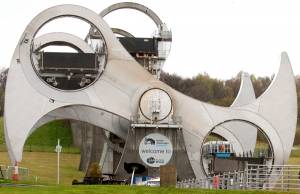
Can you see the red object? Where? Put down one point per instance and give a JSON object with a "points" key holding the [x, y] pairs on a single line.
{"points": [[216, 182], [15, 176]]}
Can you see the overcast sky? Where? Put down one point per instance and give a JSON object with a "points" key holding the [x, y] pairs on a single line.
{"points": [[220, 37]]}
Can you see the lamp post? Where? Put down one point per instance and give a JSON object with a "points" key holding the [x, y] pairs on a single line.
{"points": [[58, 150]]}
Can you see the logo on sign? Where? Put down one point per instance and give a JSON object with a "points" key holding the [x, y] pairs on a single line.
{"points": [[155, 149], [149, 141]]}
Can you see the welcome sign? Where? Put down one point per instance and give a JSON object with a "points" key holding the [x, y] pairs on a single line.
{"points": [[155, 149]]}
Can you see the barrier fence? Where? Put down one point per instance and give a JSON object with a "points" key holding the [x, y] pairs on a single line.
{"points": [[3, 172], [267, 177], [275, 177], [6, 172]]}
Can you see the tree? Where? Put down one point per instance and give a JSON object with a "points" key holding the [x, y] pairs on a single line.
{"points": [[3, 77]]}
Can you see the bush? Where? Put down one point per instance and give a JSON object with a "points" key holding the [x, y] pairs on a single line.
{"points": [[94, 170]]}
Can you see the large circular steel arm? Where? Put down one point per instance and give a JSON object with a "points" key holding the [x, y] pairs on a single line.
{"points": [[122, 32], [135, 6], [61, 39]]}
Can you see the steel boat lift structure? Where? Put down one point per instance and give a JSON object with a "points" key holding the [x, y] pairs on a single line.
{"points": [[114, 95], [232, 133]]}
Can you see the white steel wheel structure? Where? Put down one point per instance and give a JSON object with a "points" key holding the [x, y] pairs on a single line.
{"points": [[114, 97]]}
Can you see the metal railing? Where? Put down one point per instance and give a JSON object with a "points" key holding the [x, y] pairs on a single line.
{"points": [[267, 177], [170, 120], [3, 172], [6, 172], [275, 177], [195, 183], [228, 180]]}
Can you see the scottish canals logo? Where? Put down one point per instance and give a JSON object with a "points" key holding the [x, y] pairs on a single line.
{"points": [[155, 149]]}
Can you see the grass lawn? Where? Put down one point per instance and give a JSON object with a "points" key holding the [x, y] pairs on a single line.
{"points": [[45, 138], [43, 165], [122, 190], [294, 161]]}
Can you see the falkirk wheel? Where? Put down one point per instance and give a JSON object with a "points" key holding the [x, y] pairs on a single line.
{"points": [[117, 88]]}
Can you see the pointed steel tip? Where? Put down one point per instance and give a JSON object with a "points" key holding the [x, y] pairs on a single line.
{"points": [[245, 74], [284, 53], [285, 58]]}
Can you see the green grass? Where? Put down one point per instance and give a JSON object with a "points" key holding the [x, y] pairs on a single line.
{"points": [[45, 138], [5, 181], [43, 167], [295, 153], [101, 189], [48, 134]]}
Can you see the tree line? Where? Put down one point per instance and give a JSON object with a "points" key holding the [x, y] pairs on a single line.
{"points": [[212, 90]]}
